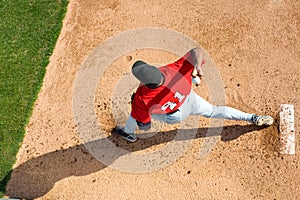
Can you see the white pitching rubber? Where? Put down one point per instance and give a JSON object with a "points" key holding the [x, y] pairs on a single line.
{"points": [[287, 130]]}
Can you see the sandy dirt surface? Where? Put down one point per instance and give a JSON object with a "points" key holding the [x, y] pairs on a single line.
{"points": [[254, 45]]}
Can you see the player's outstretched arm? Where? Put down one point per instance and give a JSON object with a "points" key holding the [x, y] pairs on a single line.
{"points": [[198, 60]]}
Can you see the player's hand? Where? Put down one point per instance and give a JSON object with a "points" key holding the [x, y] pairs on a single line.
{"points": [[196, 77], [197, 72]]}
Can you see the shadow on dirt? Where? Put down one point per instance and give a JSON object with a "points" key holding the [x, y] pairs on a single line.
{"points": [[37, 176]]}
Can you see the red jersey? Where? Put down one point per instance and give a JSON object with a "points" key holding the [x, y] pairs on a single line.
{"points": [[168, 97]]}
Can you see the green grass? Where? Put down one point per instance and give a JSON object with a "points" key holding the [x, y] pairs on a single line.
{"points": [[28, 33]]}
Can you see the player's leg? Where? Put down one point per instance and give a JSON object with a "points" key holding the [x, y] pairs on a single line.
{"points": [[199, 106], [128, 132], [195, 105]]}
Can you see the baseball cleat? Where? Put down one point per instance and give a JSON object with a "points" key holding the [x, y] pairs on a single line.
{"points": [[124, 135], [263, 120]]}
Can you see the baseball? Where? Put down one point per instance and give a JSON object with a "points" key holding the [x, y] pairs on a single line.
{"points": [[196, 80]]}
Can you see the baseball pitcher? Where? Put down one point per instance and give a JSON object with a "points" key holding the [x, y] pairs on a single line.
{"points": [[166, 94]]}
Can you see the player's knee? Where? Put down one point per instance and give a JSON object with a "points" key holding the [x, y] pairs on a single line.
{"points": [[210, 111]]}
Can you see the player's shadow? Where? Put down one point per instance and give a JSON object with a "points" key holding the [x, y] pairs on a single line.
{"points": [[37, 176]]}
